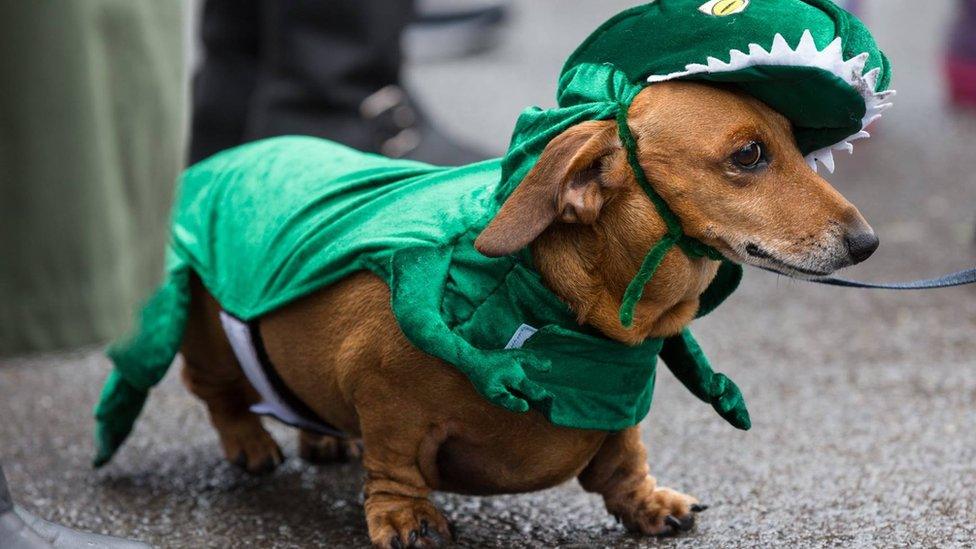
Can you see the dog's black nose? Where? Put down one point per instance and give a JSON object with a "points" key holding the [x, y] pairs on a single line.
{"points": [[861, 245]]}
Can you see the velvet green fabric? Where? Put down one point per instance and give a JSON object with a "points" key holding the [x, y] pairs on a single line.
{"points": [[273, 221], [690, 365]]}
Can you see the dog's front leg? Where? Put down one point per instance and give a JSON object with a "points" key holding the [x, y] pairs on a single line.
{"points": [[619, 472], [396, 457]]}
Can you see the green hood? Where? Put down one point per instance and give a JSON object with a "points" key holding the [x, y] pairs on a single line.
{"points": [[810, 60]]}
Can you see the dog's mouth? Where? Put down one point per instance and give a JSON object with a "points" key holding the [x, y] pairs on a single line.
{"points": [[748, 252], [773, 263]]}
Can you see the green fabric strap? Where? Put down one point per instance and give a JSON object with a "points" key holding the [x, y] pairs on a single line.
{"points": [[635, 290], [630, 143], [675, 235]]}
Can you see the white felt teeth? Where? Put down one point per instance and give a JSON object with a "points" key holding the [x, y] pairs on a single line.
{"points": [[825, 156], [806, 54], [871, 78], [807, 47], [845, 146], [855, 67]]}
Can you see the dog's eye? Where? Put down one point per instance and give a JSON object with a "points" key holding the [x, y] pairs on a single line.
{"points": [[749, 157]]}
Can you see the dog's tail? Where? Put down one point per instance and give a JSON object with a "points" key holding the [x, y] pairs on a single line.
{"points": [[141, 361]]}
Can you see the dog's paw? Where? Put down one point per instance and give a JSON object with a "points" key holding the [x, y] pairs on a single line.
{"points": [[401, 523], [325, 449], [252, 449], [660, 513]]}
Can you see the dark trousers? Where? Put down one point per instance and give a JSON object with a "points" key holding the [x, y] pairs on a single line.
{"points": [[286, 67]]}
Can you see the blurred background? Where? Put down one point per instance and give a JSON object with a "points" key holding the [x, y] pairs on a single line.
{"points": [[864, 403]]}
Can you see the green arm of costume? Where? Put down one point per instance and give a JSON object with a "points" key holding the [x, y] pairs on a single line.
{"points": [[688, 363], [141, 361], [499, 375]]}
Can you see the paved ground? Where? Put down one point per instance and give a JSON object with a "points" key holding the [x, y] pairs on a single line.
{"points": [[864, 404]]}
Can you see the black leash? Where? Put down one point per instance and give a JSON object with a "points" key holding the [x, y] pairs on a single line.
{"points": [[961, 278]]}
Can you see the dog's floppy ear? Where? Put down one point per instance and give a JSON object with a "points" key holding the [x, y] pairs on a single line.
{"points": [[565, 183]]}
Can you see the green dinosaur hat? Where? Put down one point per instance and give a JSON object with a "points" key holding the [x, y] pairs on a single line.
{"points": [[810, 60]]}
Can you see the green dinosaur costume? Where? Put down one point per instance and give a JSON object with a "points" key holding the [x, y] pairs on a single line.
{"points": [[270, 222]]}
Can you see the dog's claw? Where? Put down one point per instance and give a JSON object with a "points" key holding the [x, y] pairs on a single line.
{"points": [[673, 522], [408, 523], [699, 508], [680, 525]]}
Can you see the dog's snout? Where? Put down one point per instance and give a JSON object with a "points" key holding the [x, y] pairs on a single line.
{"points": [[861, 244]]}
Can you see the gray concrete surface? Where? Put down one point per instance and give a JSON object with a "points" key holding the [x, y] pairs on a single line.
{"points": [[864, 403]]}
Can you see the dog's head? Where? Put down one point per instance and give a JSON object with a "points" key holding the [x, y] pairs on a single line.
{"points": [[728, 166]]}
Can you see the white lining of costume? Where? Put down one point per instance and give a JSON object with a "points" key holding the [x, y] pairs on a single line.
{"points": [[272, 404], [806, 54]]}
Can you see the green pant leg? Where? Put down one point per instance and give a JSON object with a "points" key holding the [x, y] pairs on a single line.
{"points": [[90, 146]]}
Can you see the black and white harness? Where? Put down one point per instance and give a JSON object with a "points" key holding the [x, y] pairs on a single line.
{"points": [[277, 400]]}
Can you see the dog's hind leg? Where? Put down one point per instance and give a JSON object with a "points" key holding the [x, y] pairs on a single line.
{"points": [[212, 373], [619, 472], [325, 449]]}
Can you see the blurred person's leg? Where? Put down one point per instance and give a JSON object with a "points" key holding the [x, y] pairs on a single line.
{"points": [[961, 62], [325, 69], [90, 146], [322, 60], [224, 86]]}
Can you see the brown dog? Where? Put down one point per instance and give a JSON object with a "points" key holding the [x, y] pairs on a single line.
{"points": [[729, 167]]}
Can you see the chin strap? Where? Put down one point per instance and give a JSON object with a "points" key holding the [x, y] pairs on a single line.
{"points": [[675, 235]]}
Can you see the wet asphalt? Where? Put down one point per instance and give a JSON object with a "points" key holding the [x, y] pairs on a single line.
{"points": [[863, 403]]}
